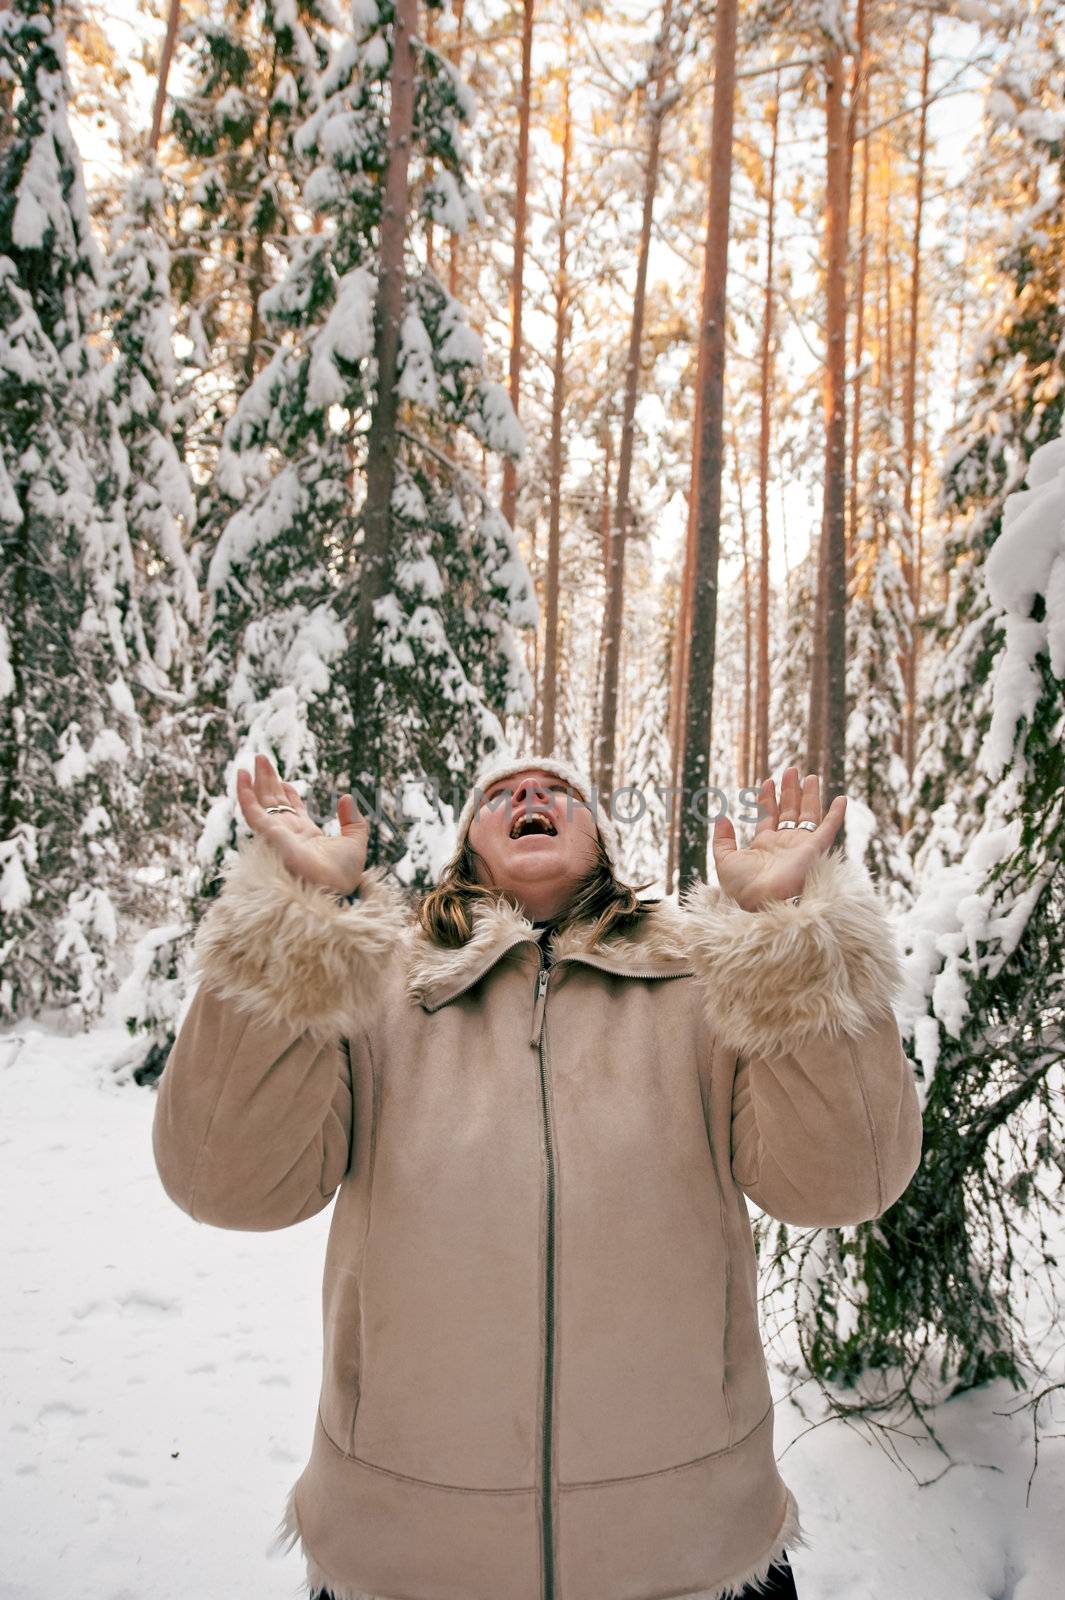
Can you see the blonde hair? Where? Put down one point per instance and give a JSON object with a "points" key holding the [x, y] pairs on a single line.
{"points": [[445, 912]]}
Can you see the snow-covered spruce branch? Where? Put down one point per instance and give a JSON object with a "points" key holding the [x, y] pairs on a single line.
{"points": [[1003, 1108], [439, 455]]}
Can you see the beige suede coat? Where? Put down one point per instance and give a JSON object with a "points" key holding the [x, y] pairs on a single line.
{"points": [[543, 1377]]}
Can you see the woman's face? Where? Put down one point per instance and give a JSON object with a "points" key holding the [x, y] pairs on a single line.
{"points": [[542, 864]]}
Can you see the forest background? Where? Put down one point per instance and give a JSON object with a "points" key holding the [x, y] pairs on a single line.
{"points": [[675, 388]]}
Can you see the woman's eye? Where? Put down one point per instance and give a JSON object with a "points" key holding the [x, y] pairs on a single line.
{"points": [[504, 792]]}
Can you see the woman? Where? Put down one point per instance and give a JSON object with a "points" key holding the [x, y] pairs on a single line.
{"points": [[540, 1104]]}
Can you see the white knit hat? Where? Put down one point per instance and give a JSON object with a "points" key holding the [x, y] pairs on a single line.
{"points": [[495, 769]]}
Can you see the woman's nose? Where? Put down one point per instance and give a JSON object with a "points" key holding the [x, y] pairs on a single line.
{"points": [[538, 791]]}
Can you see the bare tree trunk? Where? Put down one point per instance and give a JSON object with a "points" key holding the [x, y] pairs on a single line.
{"points": [[510, 470], [859, 356], [761, 738], [173, 17], [381, 436], [681, 634], [828, 718], [889, 306], [859, 104], [604, 551], [815, 734], [963, 302], [14, 790], [615, 591], [531, 720], [745, 774], [558, 383], [858, 76], [430, 234], [257, 270], [453, 251], [604, 515], [921, 505], [694, 829], [911, 561], [678, 687], [255, 326]]}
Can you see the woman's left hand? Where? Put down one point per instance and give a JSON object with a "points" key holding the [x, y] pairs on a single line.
{"points": [[774, 865]]}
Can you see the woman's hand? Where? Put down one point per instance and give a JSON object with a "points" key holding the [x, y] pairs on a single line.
{"points": [[774, 865], [334, 862]]}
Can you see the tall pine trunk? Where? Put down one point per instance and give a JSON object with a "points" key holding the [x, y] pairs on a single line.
{"points": [[761, 735], [381, 436], [743, 762], [678, 683], [549, 669], [828, 710], [859, 348], [453, 251], [615, 589], [517, 275], [911, 559], [604, 555], [694, 826], [166, 60], [257, 268], [858, 108]]}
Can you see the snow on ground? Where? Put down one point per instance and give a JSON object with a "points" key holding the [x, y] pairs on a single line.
{"points": [[159, 1382]]}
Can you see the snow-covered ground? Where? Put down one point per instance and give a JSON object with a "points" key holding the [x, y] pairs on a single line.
{"points": [[160, 1380]]}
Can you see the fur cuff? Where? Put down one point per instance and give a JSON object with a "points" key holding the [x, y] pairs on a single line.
{"points": [[293, 955], [779, 976]]}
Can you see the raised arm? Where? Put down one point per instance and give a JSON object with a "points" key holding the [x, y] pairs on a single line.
{"points": [[253, 1118], [826, 1125]]}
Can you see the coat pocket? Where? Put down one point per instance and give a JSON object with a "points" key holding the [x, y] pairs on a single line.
{"points": [[342, 1358]]}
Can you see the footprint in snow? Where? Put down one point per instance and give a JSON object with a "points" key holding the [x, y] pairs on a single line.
{"points": [[128, 1480]]}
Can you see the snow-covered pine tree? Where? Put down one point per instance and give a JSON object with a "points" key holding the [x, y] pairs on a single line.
{"points": [[935, 1290], [984, 1014], [879, 622], [251, 67], [160, 506], [1017, 404], [283, 582], [447, 668], [72, 647], [161, 514], [251, 70]]}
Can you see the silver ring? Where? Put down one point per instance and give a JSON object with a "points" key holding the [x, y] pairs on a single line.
{"points": [[782, 825], [811, 826], [282, 808]]}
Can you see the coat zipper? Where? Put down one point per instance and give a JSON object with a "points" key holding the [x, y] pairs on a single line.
{"points": [[537, 1039], [549, 1291]]}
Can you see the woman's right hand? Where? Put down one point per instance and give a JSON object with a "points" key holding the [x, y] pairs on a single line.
{"points": [[334, 862]]}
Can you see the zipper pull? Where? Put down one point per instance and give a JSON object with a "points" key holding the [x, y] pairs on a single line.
{"points": [[538, 1008]]}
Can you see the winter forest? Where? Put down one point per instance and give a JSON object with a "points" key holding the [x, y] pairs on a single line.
{"points": [[677, 388]]}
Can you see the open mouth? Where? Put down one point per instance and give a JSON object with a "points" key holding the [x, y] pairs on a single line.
{"points": [[533, 824]]}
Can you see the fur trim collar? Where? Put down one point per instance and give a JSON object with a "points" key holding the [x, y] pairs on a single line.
{"points": [[655, 947]]}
